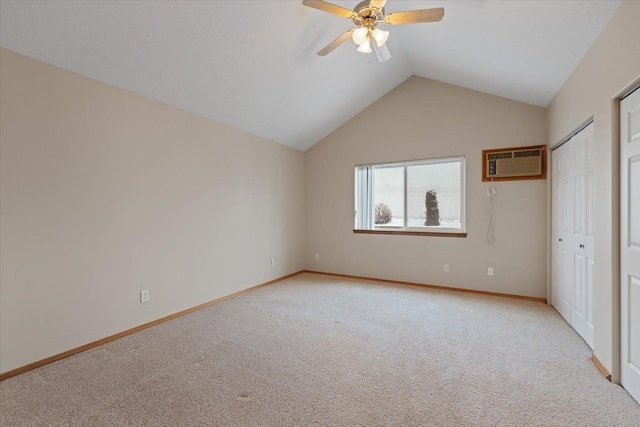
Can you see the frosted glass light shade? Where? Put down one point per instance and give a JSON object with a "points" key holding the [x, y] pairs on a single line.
{"points": [[365, 47], [359, 35], [380, 36]]}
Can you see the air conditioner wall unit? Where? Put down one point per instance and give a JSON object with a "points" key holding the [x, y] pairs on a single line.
{"points": [[510, 164]]}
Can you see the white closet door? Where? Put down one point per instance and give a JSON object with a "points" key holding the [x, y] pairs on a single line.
{"points": [[589, 242], [580, 296], [572, 225], [630, 243], [561, 216]]}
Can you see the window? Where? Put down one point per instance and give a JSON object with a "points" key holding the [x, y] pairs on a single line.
{"points": [[423, 196]]}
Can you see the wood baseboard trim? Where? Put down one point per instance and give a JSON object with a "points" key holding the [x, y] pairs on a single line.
{"points": [[426, 285], [605, 373], [60, 356]]}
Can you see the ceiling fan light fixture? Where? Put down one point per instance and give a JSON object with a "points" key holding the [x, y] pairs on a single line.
{"points": [[366, 15], [365, 47], [360, 35], [380, 36]]}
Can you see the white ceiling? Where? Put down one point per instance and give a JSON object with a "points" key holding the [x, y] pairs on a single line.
{"points": [[252, 64]]}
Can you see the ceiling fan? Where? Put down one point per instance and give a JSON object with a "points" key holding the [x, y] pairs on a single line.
{"points": [[367, 15]]}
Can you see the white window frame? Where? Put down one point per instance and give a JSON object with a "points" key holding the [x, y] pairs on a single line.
{"points": [[365, 183]]}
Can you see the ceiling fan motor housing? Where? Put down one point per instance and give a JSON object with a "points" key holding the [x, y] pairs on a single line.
{"points": [[367, 16]]}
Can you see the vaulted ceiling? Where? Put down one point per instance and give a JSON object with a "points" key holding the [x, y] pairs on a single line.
{"points": [[253, 64]]}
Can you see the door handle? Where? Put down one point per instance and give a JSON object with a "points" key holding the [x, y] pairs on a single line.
{"points": [[581, 246]]}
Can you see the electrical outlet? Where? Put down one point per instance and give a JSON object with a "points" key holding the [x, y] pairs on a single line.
{"points": [[317, 256], [446, 268], [490, 271], [144, 296], [273, 263]]}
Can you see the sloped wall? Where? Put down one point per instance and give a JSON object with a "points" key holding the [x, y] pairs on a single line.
{"points": [[423, 119]]}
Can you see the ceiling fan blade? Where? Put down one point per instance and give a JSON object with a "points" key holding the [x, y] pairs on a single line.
{"points": [[415, 16], [382, 52], [329, 7], [334, 44], [377, 4]]}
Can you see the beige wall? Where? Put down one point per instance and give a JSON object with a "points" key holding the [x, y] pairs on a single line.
{"points": [[607, 70], [106, 193], [423, 119]]}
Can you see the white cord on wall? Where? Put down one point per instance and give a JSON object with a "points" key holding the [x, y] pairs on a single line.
{"points": [[491, 191]]}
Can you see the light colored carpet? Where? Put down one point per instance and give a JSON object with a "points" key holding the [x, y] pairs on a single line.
{"points": [[318, 350]]}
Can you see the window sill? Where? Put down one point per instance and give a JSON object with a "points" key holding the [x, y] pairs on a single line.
{"points": [[412, 233]]}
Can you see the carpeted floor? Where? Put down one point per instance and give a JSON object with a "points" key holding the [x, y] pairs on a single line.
{"points": [[318, 350]]}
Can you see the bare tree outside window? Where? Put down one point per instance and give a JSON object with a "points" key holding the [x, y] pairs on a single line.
{"points": [[382, 214]]}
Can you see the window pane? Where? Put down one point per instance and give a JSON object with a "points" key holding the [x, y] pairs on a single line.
{"points": [[388, 196], [436, 185]]}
